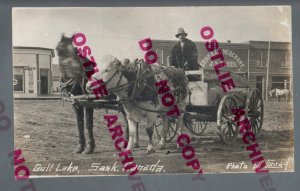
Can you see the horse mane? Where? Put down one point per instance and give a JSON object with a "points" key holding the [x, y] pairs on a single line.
{"points": [[145, 89], [130, 69], [70, 64]]}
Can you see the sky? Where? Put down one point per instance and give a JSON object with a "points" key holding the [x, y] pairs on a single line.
{"points": [[116, 31]]}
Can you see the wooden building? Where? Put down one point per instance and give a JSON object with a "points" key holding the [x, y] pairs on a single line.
{"points": [[56, 78], [32, 71], [278, 74], [247, 63]]}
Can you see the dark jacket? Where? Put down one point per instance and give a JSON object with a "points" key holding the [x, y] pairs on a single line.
{"points": [[189, 55]]}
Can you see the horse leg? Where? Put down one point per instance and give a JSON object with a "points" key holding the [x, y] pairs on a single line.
{"points": [[164, 131], [136, 140], [132, 133], [179, 124], [89, 111], [149, 131], [79, 117]]}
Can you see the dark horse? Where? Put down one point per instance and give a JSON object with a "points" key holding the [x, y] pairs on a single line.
{"points": [[73, 82]]}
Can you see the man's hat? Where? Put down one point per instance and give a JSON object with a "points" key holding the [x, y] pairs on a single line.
{"points": [[181, 31]]}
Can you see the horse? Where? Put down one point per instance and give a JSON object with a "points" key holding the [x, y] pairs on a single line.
{"points": [[280, 92], [73, 81], [133, 84]]}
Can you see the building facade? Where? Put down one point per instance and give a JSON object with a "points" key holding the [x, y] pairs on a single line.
{"points": [[247, 63], [56, 78], [32, 71], [278, 74]]}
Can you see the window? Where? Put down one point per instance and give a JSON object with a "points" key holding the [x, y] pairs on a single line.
{"points": [[160, 55], [280, 82], [258, 63], [18, 79], [286, 60], [261, 61], [169, 61]]}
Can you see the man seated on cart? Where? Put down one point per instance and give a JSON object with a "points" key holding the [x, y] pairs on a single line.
{"points": [[184, 52]]}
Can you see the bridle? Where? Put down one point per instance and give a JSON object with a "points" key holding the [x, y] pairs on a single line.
{"points": [[72, 82], [123, 87], [140, 75]]}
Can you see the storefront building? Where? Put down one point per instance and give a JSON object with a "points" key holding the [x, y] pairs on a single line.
{"points": [[32, 71], [247, 63], [275, 73]]}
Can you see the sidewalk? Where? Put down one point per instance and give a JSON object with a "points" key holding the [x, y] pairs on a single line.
{"points": [[34, 97]]}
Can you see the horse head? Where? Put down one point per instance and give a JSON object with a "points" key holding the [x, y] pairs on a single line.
{"points": [[111, 72], [271, 92], [70, 64]]}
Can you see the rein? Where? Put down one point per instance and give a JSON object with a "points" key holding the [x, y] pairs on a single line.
{"points": [[140, 75], [72, 82], [154, 111]]}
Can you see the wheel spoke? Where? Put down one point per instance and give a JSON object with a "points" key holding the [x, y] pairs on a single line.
{"points": [[227, 126], [230, 130], [224, 122], [259, 104], [259, 120], [255, 109], [199, 126], [195, 125], [253, 125], [226, 117], [170, 127]]}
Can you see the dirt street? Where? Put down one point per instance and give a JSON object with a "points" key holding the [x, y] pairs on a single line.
{"points": [[46, 132]]}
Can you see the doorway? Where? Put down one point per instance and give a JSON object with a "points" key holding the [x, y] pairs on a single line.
{"points": [[260, 84], [44, 85]]}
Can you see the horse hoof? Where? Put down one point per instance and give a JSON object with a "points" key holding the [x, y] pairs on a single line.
{"points": [[79, 149], [161, 147], [150, 151], [89, 149], [86, 152], [136, 145]]}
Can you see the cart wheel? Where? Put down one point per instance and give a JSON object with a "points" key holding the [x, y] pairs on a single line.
{"points": [[255, 110], [172, 130], [195, 123], [225, 121]]}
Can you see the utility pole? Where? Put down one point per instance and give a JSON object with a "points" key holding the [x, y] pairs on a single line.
{"points": [[248, 66], [268, 71]]}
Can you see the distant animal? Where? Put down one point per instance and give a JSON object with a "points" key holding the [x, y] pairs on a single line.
{"points": [[133, 84], [15, 82], [73, 80], [280, 92]]}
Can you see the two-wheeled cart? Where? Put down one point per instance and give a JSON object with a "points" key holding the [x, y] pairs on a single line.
{"points": [[207, 103]]}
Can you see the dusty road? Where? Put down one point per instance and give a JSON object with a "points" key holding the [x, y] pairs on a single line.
{"points": [[46, 132]]}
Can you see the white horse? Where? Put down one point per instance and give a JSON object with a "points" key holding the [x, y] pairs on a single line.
{"points": [[280, 92], [133, 83]]}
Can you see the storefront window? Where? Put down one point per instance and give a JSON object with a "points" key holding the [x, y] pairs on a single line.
{"points": [[280, 82], [160, 56], [18, 80], [286, 60]]}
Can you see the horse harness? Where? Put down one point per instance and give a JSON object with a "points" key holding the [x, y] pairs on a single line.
{"points": [[141, 86]]}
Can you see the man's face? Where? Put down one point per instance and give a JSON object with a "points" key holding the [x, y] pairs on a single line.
{"points": [[181, 37]]}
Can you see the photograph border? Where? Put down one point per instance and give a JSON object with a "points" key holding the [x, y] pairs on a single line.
{"points": [[234, 181]]}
